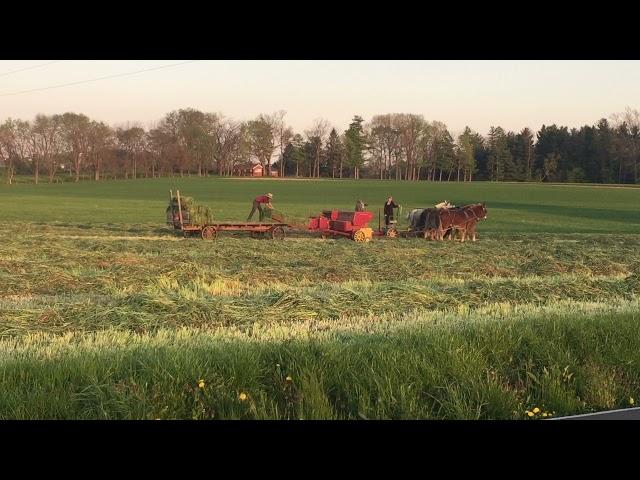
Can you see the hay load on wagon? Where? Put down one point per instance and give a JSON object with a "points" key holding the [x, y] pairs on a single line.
{"points": [[192, 213]]}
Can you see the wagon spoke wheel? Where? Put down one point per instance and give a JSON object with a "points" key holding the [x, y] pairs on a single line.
{"points": [[277, 233], [359, 236], [392, 233], [209, 233]]}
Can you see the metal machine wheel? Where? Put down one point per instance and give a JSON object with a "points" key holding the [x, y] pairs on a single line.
{"points": [[209, 233], [392, 233], [277, 233], [359, 236]]}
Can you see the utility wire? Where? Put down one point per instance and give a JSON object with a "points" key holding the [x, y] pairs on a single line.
{"points": [[96, 79], [28, 68]]}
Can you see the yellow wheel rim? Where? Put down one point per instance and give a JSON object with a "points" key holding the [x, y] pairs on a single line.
{"points": [[359, 236]]}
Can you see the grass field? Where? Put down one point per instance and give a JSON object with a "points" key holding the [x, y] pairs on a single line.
{"points": [[105, 313]]}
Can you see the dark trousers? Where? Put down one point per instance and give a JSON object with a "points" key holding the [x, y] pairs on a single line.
{"points": [[256, 206], [387, 219]]}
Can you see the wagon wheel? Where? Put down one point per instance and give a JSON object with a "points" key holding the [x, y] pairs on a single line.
{"points": [[359, 236], [209, 233], [277, 233], [392, 233]]}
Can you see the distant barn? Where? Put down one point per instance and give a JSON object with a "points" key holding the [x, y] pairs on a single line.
{"points": [[254, 171]]}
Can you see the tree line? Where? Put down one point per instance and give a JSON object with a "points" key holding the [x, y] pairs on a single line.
{"points": [[398, 146]]}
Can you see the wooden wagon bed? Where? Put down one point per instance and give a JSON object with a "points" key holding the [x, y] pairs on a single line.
{"points": [[210, 231]]}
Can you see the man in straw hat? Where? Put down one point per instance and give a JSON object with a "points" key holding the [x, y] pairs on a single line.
{"points": [[257, 205]]}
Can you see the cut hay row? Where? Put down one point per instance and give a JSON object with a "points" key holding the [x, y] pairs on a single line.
{"points": [[165, 306], [40, 344]]}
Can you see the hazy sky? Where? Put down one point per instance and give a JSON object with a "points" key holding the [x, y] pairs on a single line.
{"points": [[512, 94]]}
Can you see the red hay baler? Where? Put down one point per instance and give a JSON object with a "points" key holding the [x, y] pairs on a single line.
{"points": [[354, 225]]}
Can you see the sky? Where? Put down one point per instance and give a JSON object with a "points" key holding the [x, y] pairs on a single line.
{"points": [[475, 93]]}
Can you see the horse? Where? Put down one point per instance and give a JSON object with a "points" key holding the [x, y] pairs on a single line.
{"points": [[430, 222], [414, 218], [463, 219], [424, 220]]}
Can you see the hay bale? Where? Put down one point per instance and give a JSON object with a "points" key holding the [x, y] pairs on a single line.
{"points": [[200, 214], [192, 213]]}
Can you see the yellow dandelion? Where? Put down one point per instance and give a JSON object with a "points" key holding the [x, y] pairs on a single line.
{"points": [[536, 410], [201, 383], [631, 401], [242, 397], [289, 379], [544, 414], [530, 414]]}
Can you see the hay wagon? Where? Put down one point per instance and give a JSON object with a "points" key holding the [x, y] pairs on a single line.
{"points": [[181, 219]]}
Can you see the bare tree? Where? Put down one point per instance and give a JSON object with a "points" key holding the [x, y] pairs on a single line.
{"points": [[46, 144], [100, 138], [386, 137], [227, 135], [76, 135], [283, 135], [410, 127], [9, 140], [629, 121], [261, 137], [317, 136], [132, 142]]}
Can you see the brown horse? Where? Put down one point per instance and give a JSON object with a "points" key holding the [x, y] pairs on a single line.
{"points": [[462, 219]]}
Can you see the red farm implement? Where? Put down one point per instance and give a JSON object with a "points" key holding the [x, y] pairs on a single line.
{"points": [[354, 225]]}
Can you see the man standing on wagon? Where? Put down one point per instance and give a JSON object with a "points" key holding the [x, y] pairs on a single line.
{"points": [[257, 205], [389, 205]]}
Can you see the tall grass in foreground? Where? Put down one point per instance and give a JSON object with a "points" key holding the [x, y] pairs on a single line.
{"points": [[494, 364]]}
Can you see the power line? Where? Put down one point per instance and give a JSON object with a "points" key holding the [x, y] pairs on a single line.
{"points": [[96, 79], [28, 68]]}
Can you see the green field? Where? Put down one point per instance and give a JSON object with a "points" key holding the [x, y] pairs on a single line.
{"points": [[106, 313]]}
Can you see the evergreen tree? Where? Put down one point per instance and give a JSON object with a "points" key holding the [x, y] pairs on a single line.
{"points": [[355, 144], [466, 152], [333, 152], [499, 154]]}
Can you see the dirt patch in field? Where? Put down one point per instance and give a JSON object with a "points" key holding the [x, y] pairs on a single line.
{"points": [[128, 260]]}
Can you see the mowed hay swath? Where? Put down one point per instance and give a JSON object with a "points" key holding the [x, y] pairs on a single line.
{"points": [[106, 318]]}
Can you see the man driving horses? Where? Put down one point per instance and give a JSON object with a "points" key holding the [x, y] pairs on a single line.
{"points": [[389, 205]]}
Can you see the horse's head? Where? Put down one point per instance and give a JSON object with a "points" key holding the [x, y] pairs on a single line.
{"points": [[480, 211]]}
